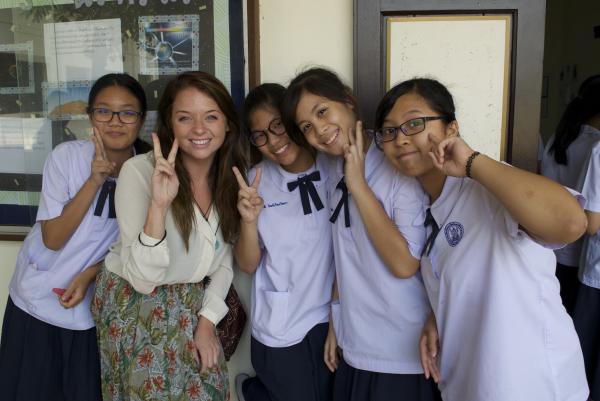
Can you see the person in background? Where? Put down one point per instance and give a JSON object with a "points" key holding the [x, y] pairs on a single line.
{"points": [[564, 161]]}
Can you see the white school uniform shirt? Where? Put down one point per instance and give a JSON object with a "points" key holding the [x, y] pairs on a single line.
{"points": [[589, 271], [40, 269], [578, 154], [504, 334], [379, 317], [291, 291], [167, 262]]}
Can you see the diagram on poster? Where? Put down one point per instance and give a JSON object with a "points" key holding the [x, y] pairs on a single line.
{"points": [[24, 144], [168, 44], [66, 100], [16, 68]]}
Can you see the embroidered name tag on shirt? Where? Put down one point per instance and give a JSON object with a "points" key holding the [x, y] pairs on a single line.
{"points": [[267, 205], [454, 232]]}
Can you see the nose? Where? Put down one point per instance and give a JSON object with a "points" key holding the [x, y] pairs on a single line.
{"points": [[321, 128], [401, 139], [114, 120], [273, 139], [199, 127]]}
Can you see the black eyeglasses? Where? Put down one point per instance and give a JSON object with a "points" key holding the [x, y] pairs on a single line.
{"points": [[103, 115], [259, 138], [408, 128]]}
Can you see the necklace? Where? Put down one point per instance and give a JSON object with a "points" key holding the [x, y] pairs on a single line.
{"points": [[207, 213]]}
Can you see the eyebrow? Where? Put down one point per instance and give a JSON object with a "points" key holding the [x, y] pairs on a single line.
{"points": [[121, 105]]}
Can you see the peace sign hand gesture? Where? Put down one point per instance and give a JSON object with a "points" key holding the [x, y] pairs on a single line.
{"points": [[450, 155], [165, 183], [249, 203], [101, 166], [354, 159]]}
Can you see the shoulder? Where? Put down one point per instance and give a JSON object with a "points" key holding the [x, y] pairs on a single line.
{"points": [[142, 165], [80, 149]]}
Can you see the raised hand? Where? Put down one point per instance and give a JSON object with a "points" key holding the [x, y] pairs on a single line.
{"points": [[450, 155], [165, 183], [101, 166], [354, 159], [249, 203]]}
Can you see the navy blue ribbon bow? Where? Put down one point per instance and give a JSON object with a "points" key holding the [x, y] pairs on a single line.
{"points": [[307, 188], [107, 191], [342, 203], [435, 229]]}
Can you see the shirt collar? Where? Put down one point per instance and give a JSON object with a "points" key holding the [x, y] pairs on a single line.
{"points": [[442, 207]]}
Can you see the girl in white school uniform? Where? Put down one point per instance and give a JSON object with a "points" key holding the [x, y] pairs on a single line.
{"points": [[564, 160], [177, 214], [48, 349], [503, 332], [377, 241], [587, 308], [285, 241]]}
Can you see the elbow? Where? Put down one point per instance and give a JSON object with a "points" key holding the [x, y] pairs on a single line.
{"points": [[50, 242], [248, 268], [405, 269], [575, 227]]}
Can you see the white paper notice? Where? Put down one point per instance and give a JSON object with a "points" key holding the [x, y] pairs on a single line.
{"points": [[24, 144], [83, 50]]}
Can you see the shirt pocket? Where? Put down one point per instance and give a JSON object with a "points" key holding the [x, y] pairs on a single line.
{"points": [[272, 312]]}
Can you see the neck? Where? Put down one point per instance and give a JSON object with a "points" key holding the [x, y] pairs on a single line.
{"points": [[433, 183], [119, 157], [302, 163], [197, 169]]}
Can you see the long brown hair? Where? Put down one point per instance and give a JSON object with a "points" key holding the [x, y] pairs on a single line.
{"points": [[223, 185]]}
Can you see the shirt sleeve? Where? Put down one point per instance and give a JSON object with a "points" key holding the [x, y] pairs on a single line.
{"points": [[214, 307], [591, 181], [55, 184], [144, 260], [408, 214]]}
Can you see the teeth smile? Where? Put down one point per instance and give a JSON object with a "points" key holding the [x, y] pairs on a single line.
{"points": [[330, 141], [281, 149], [200, 141]]}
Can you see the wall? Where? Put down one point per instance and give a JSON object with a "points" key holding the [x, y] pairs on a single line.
{"points": [[569, 43], [293, 35]]}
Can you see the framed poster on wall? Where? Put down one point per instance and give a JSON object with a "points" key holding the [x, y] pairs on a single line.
{"points": [[489, 53], [52, 51]]}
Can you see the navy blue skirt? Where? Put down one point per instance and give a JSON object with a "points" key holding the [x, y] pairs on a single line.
{"points": [[353, 384], [41, 362], [295, 373], [587, 324]]}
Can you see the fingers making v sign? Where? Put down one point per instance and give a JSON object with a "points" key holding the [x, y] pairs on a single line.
{"points": [[249, 201], [165, 183], [354, 159], [450, 155], [101, 166]]}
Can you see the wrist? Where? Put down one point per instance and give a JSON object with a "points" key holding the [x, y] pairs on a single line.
{"points": [[93, 183], [469, 164]]}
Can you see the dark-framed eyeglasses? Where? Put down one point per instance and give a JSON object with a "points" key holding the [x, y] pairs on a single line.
{"points": [[259, 138], [104, 115], [408, 128]]}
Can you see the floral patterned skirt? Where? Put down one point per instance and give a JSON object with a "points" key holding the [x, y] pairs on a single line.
{"points": [[146, 343]]}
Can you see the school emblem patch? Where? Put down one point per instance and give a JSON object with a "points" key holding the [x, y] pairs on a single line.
{"points": [[454, 232]]}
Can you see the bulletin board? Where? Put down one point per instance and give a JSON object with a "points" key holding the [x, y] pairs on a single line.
{"points": [[477, 75], [51, 52]]}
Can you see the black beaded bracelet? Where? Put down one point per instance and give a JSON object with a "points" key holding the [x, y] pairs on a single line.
{"points": [[470, 162], [152, 246]]}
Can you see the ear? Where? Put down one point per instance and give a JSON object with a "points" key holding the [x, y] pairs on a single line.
{"points": [[452, 129]]}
